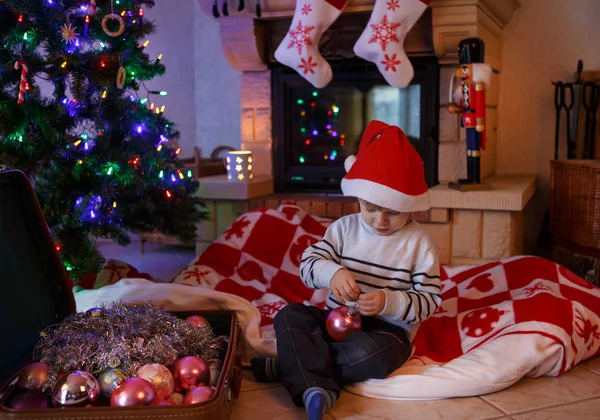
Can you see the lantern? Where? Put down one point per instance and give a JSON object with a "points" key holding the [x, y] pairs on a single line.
{"points": [[239, 165]]}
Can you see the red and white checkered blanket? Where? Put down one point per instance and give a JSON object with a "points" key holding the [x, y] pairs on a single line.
{"points": [[498, 322], [258, 258]]}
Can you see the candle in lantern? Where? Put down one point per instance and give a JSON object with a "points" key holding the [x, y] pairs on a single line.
{"points": [[239, 165]]}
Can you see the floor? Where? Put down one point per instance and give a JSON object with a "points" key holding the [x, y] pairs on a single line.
{"points": [[574, 395], [161, 261]]}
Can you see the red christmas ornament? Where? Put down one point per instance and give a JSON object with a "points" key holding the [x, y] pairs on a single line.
{"points": [[133, 392], [33, 376], [190, 372], [198, 395], [197, 320], [343, 321]]}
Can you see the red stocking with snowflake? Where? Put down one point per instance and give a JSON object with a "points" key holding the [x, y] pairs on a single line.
{"points": [[300, 47], [382, 41]]}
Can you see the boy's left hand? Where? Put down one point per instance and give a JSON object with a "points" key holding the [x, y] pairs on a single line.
{"points": [[371, 303]]}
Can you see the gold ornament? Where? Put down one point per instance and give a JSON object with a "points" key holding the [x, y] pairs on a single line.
{"points": [[118, 19], [68, 33], [121, 77]]}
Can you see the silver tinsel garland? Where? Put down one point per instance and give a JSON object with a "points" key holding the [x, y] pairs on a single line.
{"points": [[123, 336]]}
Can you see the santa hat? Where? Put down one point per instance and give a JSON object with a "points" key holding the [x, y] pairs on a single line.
{"points": [[387, 171]]}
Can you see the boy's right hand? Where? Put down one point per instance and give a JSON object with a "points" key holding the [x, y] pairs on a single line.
{"points": [[344, 286]]}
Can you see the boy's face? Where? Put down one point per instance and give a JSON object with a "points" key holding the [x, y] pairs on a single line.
{"points": [[384, 221]]}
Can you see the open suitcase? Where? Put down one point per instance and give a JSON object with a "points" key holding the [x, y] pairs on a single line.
{"points": [[36, 294]]}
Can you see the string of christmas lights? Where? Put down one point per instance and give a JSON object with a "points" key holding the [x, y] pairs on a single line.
{"points": [[317, 129]]}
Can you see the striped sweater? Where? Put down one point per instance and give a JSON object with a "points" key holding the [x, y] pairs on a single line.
{"points": [[404, 265]]}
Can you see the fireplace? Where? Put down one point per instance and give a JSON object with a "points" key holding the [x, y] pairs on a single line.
{"points": [[466, 228], [314, 130]]}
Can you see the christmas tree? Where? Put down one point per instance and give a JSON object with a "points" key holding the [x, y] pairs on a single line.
{"points": [[76, 118]]}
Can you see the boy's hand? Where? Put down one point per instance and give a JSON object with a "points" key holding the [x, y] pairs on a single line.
{"points": [[344, 287], [371, 303]]}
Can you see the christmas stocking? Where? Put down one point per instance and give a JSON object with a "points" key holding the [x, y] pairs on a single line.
{"points": [[300, 47], [382, 41]]}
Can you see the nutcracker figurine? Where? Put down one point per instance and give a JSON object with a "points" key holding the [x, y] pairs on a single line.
{"points": [[468, 99]]}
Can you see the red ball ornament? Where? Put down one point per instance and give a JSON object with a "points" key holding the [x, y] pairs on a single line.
{"points": [[198, 395], [343, 321], [133, 392], [190, 372], [33, 376], [197, 321]]}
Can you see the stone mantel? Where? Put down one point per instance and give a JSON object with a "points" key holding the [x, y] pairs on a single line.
{"points": [[452, 20]]}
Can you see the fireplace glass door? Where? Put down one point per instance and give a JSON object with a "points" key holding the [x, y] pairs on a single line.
{"points": [[316, 129]]}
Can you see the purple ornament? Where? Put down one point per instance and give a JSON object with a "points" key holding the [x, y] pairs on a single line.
{"points": [[343, 321], [24, 399]]}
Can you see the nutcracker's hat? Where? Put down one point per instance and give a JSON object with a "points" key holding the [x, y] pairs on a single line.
{"points": [[471, 50]]}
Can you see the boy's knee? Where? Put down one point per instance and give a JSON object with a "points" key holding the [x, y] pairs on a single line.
{"points": [[285, 311], [288, 312]]}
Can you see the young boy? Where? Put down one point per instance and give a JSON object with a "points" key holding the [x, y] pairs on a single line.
{"points": [[378, 258]]}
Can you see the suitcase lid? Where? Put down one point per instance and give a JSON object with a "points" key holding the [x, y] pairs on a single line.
{"points": [[35, 288]]}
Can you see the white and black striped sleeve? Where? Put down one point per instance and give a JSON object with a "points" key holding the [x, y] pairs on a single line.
{"points": [[423, 298], [321, 260]]}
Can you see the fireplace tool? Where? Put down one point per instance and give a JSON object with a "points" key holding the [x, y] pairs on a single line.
{"points": [[225, 11], [563, 99], [590, 99]]}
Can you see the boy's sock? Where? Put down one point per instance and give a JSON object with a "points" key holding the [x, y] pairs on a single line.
{"points": [[265, 369], [318, 401]]}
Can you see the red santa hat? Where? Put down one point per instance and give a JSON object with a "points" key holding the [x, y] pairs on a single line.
{"points": [[387, 171]]}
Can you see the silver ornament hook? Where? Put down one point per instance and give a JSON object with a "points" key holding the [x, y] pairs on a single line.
{"points": [[353, 308]]}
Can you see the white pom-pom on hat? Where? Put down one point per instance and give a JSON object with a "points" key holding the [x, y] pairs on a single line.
{"points": [[349, 162]]}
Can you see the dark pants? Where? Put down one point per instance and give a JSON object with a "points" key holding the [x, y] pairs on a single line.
{"points": [[309, 357]]}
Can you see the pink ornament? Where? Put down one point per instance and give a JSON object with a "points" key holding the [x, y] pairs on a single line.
{"points": [[198, 395], [190, 372], [343, 321], [33, 376], [197, 321], [133, 392], [160, 377], [24, 399], [75, 389]]}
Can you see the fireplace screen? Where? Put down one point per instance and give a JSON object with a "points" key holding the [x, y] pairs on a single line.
{"points": [[316, 129]]}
